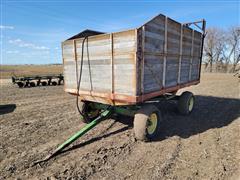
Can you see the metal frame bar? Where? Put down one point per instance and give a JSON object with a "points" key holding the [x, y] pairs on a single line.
{"points": [[180, 55], [195, 23], [202, 43], [112, 63], [191, 60], [165, 52], [142, 64], [120, 99]]}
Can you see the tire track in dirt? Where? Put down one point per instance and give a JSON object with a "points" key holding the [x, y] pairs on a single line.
{"points": [[169, 164], [163, 160]]}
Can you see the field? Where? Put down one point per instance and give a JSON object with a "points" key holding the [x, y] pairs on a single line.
{"points": [[203, 145], [6, 71]]}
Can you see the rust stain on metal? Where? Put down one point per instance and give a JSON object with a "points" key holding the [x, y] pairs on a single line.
{"points": [[121, 99]]}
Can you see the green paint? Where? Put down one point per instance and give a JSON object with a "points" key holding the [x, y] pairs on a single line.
{"points": [[123, 110], [84, 130], [107, 110], [126, 110]]}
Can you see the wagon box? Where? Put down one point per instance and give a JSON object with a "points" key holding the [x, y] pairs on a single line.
{"points": [[132, 66], [130, 72]]}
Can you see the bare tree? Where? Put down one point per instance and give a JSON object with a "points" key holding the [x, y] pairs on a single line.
{"points": [[222, 48], [232, 55], [213, 47]]}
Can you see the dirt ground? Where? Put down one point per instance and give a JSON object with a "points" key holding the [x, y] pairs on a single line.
{"points": [[203, 145]]}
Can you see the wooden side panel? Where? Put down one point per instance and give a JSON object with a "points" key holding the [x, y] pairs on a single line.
{"points": [[173, 37], [69, 64], [187, 41], [99, 51], [173, 50], [195, 68], [153, 70], [108, 64], [196, 55], [185, 67], [154, 35], [171, 54], [171, 71], [153, 49], [124, 52]]}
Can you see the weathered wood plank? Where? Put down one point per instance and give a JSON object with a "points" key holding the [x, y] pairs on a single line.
{"points": [[100, 67]]}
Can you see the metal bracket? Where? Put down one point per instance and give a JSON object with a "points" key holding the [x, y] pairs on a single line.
{"points": [[196, 23]]}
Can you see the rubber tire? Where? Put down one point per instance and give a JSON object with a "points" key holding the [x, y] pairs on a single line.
{"points": [[32, 84], [54, 83], [84, 108], [44, 83], [183, 103], [140, 123], [20, 84]]}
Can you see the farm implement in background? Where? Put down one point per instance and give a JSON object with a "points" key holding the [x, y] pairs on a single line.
{"points": [[38, 80]]}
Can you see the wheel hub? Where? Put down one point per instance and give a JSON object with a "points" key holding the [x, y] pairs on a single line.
{"points": [[152, 123], [190, 104]]}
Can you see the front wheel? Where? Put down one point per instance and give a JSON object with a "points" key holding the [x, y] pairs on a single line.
{"points": [[147, 123], [186, 103], [89, 111]]}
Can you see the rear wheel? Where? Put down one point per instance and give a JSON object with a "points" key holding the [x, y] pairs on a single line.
{"points": [[147, 123], [186, 103], [89, 111]]}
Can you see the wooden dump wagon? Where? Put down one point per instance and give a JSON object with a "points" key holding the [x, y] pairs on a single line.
{"points": [[129, 70]]}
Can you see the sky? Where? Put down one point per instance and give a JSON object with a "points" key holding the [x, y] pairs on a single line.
{"points": [[32, 31]]}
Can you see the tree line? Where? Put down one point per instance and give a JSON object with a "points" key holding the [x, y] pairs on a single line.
{"points": [[221, 51]]}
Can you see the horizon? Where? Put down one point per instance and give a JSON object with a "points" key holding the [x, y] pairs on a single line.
{"points": [[32, 32]]}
